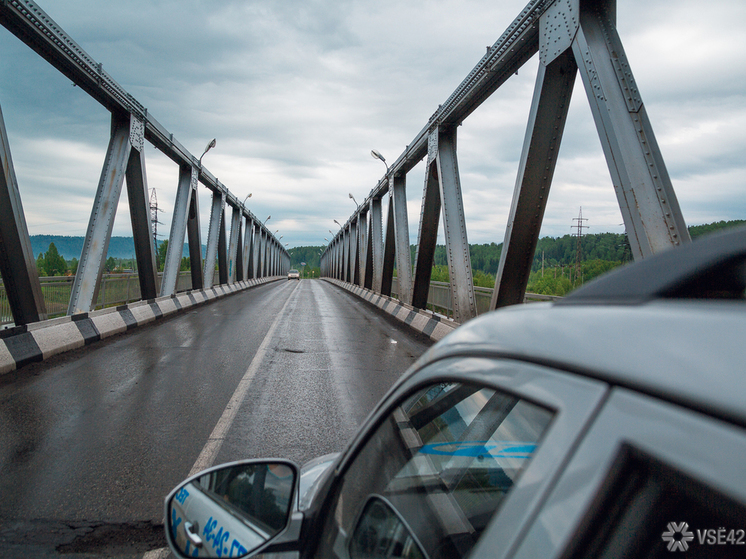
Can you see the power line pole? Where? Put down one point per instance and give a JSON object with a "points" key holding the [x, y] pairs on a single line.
{"points": [[578, 252]]}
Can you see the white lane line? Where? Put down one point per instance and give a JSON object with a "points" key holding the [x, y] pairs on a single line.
{"points": [[215, 441]]}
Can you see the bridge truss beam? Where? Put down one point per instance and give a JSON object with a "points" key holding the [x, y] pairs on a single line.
{"points": [[132, 125], [571, 36]]}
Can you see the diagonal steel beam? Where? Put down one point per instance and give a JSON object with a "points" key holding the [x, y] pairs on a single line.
{"points": [[188, 177], [142, 228], [541, 145], [92, 258], [454, 226], [211, 255], [17, 264], [646, 197]]}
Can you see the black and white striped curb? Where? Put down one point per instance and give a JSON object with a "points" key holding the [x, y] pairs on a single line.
{"points": [[22, 345], [434, 326]]}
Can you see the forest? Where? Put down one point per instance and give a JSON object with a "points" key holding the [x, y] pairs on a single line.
{"points": [[553, 271]]}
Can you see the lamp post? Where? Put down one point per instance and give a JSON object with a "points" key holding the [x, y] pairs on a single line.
{"points": [[211, 145], [246, 198], [266, 220], [377, 155], [353, 199], [337, 222]]}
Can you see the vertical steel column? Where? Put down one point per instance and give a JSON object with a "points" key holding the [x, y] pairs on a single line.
{"points": [[256, 251], [216, 214], [428, 231], [401, 237], [646, 197], [354, 246], [92, 258], [240, 274], [454, 225], [248, 245], [375, 247], [389, 251], [346, 255], [139, 203], [17, 263], [233, 245], [187, 182], [541, 145], [194, 237], [362, 259], [222, 252]]}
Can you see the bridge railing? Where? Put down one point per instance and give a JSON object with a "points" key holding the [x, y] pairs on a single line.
{"points": [[251, 252], [439, 297], [572, 37], [116, 289]]}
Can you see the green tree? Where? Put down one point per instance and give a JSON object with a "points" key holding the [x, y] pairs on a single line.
{"points": [[110, 265], [54, 264], [162, 249], [40, 266]]}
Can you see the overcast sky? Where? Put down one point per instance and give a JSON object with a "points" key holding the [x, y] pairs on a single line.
{"points": [[298, 93]]}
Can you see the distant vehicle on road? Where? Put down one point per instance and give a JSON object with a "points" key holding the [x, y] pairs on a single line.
{"points": [[609, 424], [294, 274]]}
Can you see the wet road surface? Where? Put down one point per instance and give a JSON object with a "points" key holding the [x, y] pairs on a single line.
{"points": [[91, 441]]}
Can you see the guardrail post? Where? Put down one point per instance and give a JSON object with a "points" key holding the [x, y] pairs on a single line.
{"points": [[188, 177], [375, 246], [649, 206], [17, 262], [541, 145]]}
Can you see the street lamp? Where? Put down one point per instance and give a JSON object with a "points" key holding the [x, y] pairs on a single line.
{"points": [[266, 220], [353, 199], [211, 145], [247, 197], [337, 222], [377, 155]]}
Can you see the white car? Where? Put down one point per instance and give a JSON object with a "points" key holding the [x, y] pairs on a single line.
{"points": [[293, 274], [609, 424]]}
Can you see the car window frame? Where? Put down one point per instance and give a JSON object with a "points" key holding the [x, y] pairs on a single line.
{"points": [[675, 436], [574, 401]]}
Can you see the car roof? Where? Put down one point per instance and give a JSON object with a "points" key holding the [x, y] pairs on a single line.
{"points": [[664, 338]]}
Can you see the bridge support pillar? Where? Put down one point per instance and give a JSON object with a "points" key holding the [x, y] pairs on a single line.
{"points": [[649, 206], [123, 158], [443, 192], [546, 123], [234, 257], [188, 177], [213, 235], [17, 263]]}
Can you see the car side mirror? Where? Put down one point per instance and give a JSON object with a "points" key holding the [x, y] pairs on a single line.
{"points": [[231, 510]]}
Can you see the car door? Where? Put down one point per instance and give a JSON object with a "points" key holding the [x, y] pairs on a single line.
{"points": [[650, 479], [464, 438]]}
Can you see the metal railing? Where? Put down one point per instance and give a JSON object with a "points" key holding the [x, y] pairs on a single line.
{"points": [[116, 289], [439, 297]]}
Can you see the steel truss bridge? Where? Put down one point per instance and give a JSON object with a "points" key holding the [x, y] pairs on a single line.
{"points": [[571, 36]]}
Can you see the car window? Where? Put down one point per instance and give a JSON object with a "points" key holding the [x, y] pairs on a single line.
{"points": [[433, 474]]}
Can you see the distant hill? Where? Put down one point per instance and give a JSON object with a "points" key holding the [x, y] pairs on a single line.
{"points": [[71, 247]]}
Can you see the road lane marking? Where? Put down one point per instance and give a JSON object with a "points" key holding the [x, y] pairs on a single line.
{"points": [[215, 441]]}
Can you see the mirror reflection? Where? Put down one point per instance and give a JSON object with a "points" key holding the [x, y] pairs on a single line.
{"points": [[381, 533], [231, 511]]}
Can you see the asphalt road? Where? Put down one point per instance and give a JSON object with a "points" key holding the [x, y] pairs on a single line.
{"points": [[91, 441]]}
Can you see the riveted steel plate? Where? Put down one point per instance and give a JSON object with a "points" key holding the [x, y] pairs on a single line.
{"points": [[137, 133], [557, 29]]}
